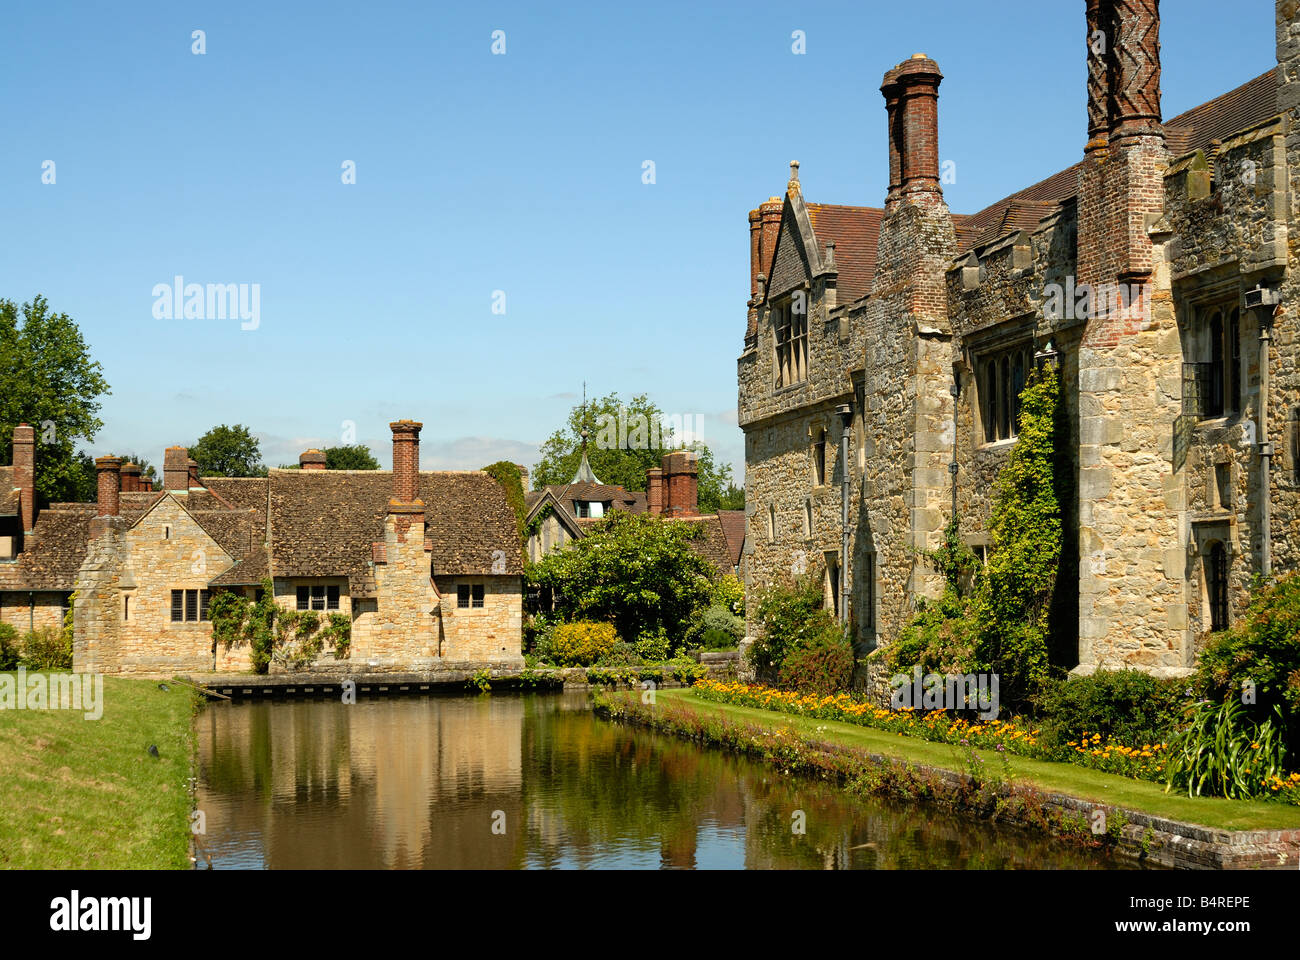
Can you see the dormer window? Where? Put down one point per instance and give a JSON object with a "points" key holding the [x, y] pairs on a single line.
{"points": [[588, 508], [790, 322]]}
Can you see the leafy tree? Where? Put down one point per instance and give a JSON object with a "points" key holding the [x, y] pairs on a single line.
{"points": [[228, 452], [47, 379], [354, 456], [636, 571], [733, 498], [623, 460]]}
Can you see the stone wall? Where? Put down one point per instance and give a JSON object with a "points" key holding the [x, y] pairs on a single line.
{"points": [[491, 633], [32, 611]]}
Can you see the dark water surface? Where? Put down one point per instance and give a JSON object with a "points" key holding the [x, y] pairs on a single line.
{"points": [[536, 780]]}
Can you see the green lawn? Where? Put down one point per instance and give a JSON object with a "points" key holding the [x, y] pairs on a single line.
{"points": [[79, 793], [1063, 778]]}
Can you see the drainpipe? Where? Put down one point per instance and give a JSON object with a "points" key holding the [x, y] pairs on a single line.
{"points": [[1259, 300], [846, 419]]}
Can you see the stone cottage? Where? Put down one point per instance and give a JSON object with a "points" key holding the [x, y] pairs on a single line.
{"points": [[426, 565], [886, 348]]}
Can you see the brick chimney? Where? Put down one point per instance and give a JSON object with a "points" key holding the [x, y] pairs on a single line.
{"points": [[312, 459], [406, 460], [890, 89], [192, 473], [915, 123], [654, 485], [769, 217], [176, 468], [131, 481], [108, 479], [523, 476], [681, 484], [24, 450]]}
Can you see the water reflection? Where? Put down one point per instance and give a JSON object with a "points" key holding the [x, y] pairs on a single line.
{"points": [[536, 781]]}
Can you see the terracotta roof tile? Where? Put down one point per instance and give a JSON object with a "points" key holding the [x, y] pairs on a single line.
{"points": [[856, 232], [733, 527]]}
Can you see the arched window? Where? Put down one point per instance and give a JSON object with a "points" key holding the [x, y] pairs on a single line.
{"points": [[1216, 584], [1214, 400], [819, 457], [1004, 399], [1232, 378], [1295, 444]]}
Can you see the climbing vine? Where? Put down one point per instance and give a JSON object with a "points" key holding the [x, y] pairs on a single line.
{"points": [[294, 638]]}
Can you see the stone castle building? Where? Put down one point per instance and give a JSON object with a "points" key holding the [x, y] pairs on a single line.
{"points": [[427, 566], [886, 349]]}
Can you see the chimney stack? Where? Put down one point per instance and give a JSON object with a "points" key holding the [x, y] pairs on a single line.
{"points": [[890, 89], [681, 484], [192, 473], [769, 223], [108, 479], [1100, 16], [914, 124], [654, 479], [131, 482], [1133, 74], [523, 476], [176, 469], [406, 460], [312, 459], [24, 450]]}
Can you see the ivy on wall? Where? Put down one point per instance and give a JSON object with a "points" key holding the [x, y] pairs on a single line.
{"points": [[294, 638]]}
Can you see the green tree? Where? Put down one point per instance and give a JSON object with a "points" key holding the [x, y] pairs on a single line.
{"points": [[353, 456], [228, 452], [623, 460], [636, 571], [48, 379]]}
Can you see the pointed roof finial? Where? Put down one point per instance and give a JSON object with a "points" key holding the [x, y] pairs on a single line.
{"points": [[793, 186]]}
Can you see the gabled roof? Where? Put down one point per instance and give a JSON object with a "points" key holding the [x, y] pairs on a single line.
{"points": [[856, 232], [323, 522], [53, 552], [1251, 103], [733, 528]]}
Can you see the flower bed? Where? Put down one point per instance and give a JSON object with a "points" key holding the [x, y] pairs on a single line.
{"points": [[1014, 736]]}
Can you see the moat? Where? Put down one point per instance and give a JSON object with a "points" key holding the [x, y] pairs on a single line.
{"points": [[536, 781]]}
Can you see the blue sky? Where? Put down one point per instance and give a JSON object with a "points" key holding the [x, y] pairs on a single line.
{"points": [[476, 173]]}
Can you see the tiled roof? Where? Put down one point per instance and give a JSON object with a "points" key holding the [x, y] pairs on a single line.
{"points": [[712, 544], [1251, 103], [856, 232], [323, 522], [54, 551], [632, 501], [733, 528], [253, 569], [8, 495]]}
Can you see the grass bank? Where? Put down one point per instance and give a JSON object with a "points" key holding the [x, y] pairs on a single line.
{"points": [[1063, 778], [81, 793]]}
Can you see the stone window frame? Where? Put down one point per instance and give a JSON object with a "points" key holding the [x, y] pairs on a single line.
{"points": [[1220, 394], [771, 523], [1206, 538], [469, 588], [808, 517], [1293, 427], [818, 459], [789, 341], [330, 596], [993, 353], [869, 573], [831, 581], [202, 598]]}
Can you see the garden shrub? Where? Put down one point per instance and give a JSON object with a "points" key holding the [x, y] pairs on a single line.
{"points": [[1127, 706], [582, 643], [47, 649], [1223, 753], [10, 652], [790, 614], [1262, 649], [621, 655], [653, 644], [716, 628], [729, 593], [821, 664]]}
